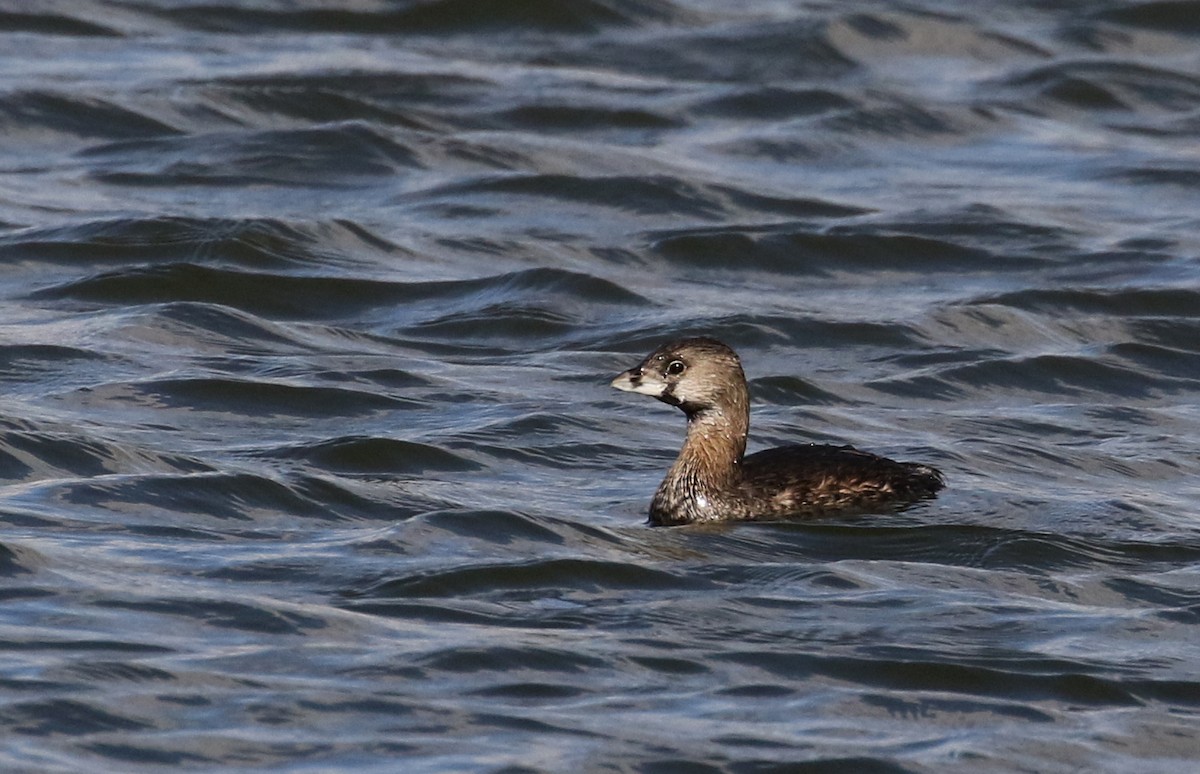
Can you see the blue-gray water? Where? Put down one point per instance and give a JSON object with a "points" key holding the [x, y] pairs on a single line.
{"points": [[308, 457]]}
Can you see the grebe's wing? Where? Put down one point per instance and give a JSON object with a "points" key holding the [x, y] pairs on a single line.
{"points": [[818, 476]]}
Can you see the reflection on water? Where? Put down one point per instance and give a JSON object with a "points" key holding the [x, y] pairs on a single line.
{"points": [[308, 456]]}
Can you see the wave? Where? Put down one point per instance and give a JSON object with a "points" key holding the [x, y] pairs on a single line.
{"points": [[294, 296], [1180, 17], [32, 450], [1177, 303], [50, 23], [38, 116], [334, 155], [220, 504], [263, 243], [564, 574], [429, 17], [1141, 92], [379, 456], [1058, 375], [792, 249]]}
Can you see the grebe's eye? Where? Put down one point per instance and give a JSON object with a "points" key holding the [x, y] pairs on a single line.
{"points": [[675, 367]]}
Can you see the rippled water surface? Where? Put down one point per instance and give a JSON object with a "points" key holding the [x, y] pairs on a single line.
{"points": [[307, 453]]}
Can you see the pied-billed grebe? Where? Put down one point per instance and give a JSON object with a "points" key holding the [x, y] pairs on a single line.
{"points": [[712, 481]]}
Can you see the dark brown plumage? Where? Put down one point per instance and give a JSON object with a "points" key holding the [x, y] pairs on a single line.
{"points": [[712, 480]]}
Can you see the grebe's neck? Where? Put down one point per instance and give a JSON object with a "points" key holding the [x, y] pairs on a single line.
{"points": [[710, 463], [715, 443]]}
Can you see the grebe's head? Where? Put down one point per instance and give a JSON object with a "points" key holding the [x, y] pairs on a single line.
{"points": [[693, 374]]}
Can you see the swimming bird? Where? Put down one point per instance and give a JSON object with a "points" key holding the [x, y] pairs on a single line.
{"points": [[713, 480]]}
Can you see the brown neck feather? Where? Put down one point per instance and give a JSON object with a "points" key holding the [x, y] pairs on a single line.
{"points": [[716, 440]]}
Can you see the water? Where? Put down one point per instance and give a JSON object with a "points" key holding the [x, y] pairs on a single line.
{"points": [[309, 310]]}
